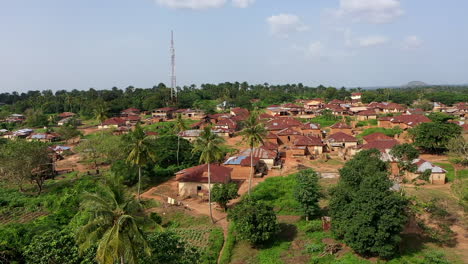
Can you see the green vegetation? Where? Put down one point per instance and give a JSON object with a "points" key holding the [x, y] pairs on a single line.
{"points": [[366, 213], [223, 193], [307, 192], [324, 120], [254, 221], [278, 193], [434, 137], [391, 132]]}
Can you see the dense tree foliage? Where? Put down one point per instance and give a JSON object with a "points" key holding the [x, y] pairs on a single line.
{"points": [[458, 150], [168, 248], [112, 224], [55, 247], [307, 192], [109, 102], [254, 221], [404, 155], [366, 214], [22, 161], [223, 193], [434, 136]]}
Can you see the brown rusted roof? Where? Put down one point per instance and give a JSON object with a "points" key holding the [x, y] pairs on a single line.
{"points": [[219, 174], [381, 145], [308, 141], [341, 125], [341, 137], [376, 136]]}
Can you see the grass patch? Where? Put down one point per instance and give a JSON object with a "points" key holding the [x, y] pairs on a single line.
{"points": [[391, 132], [279, 193], [324, 121], [215, 244]]}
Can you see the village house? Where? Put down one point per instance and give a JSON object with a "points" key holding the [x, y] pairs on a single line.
{"points": [[190, 135], [268, 157], [130, 112], [408, 121], [336, 110], [241, 167], [357, 97], [387, 107], [383, 145], [193, 114], [265, 116], [341, 127], [238, 111], [66, 115], [307, 146], [341, 140], [436, 174], [131, 120], [280, 123], [376, 136], [228, 124], [193, 182], [314, 104], [273, 138], [15, 118], [43, 137], [288, 135], [113, 122], [69, 120], [164, 113], [311, 129], [21, 133], [292, 109], [270, 146], [275, 110], [385, 122], [366, 115], [121, 130], [204, 122]]}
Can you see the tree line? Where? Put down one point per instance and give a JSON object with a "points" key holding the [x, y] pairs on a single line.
{"points": [[207, 96]]}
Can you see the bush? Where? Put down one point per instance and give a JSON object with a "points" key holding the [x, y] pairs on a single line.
{"points": [[313, 226], [254, 221]]}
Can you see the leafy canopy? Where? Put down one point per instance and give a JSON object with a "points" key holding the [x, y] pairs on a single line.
{"points": [[366, 214]]}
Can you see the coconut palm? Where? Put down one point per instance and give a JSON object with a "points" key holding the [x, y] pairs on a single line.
{"points": [[100, 113], [179, 126], [253, 133], [113, 224], [209, 145], [140, 151]]}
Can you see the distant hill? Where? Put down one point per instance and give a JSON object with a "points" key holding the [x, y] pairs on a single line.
{"points": [[415, 84]]}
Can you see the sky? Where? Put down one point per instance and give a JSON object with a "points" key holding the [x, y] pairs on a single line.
{"points": [[82, 44]]}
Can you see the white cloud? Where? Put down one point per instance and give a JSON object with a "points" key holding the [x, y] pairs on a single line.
{"points": [[372, 11], [242, 3], [372, 41], [192, 4], [412, 42], [284, 24]]}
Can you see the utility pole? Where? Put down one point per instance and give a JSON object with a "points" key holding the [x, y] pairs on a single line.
{"points": [[173, 74]]}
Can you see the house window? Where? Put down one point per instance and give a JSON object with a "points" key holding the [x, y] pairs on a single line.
{"points": [[199, 188]]}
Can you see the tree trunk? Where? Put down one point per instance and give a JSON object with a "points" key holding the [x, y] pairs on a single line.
{"points": [[139, 181], [122, 260], [209, 193], [251, 169], [178, 149]]}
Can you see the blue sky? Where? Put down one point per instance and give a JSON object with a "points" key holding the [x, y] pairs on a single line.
{"points": [[58, 44]]}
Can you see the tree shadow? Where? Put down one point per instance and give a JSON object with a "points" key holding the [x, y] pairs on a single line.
{"points": [[286, 233]]}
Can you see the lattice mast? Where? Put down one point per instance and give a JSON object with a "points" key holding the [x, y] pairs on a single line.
{"points": [[173, 73]]}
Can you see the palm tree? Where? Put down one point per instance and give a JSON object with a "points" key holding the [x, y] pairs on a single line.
{"points": [[253, 133], [100, 113], [209, 145], [140, 151], [113, 224], [179, 126]]}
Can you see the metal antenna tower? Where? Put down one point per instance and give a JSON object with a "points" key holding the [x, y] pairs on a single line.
{"points": [[173, 74]]}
